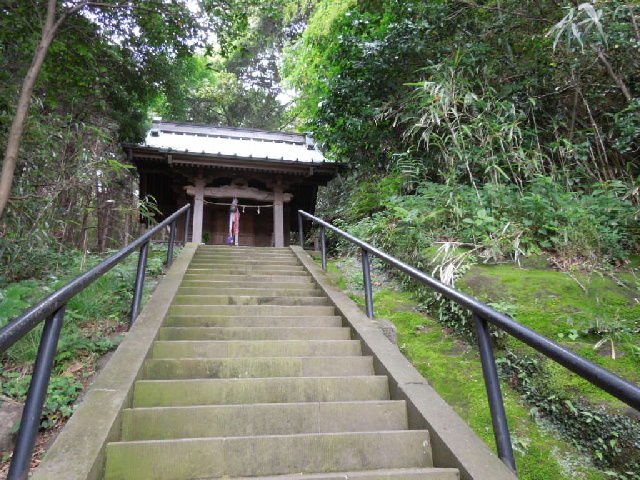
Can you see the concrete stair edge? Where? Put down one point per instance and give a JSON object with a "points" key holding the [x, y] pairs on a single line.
{"points": [[263, 419], [281, 454], [432, 473]]}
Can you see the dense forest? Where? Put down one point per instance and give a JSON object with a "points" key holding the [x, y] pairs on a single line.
{"points": [[471, 131]]}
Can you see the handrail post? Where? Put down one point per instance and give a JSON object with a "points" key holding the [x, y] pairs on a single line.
{"points": [[323, 247], [172, 239], [368, 291], [31, 416], [300, 230], [187, 222], [494, 393], [137, 292]]}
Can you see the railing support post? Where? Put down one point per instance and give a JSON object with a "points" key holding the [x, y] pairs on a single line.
{"points": [[494, 393], [301, 230], [137, 291], [32, 413], [187, 222], [323, 247], [368, 291], [172, 239]]}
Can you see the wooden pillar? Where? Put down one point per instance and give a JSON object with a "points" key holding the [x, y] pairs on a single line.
{"points": [[278, 217], [198, 208]]}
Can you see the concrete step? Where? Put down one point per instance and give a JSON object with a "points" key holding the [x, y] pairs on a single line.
{"points": [[257, 348], [253, 310], [245, 261], [236, 321], [433, 473], [270, 455], [248, 272], [238, 249], [252, 374], [241, 260], [205, 300], [265, 290], [232, 267], [262, 419], [256, 367], [248, 279], [300, 283], [255, 333], [237, 391], [387, 474]]}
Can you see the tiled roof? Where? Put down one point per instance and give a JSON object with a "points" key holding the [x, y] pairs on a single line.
{"points": [[229, 142]]}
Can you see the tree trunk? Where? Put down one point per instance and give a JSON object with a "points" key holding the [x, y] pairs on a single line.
{"points": [[82, 241], [20, 118], [616, 78], [49, 30], [127, 228]]}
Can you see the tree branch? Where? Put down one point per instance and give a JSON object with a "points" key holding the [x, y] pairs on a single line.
{"points": [[633, 21], [130, 5], [616, 78]]}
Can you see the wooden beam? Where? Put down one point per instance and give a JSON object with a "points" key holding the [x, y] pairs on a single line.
{"points": [[229, 191]]}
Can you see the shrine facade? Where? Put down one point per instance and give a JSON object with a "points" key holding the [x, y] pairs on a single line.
{"points": [[271, 175]]}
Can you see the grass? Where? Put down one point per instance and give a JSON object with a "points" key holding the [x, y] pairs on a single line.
{"points": [[454, 369]]}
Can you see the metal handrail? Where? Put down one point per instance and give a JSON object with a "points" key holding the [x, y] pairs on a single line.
{"points": [[608, 381], [51, 310]]}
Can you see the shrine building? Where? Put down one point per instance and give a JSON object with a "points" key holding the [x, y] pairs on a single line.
{"points": [[271, 175]]}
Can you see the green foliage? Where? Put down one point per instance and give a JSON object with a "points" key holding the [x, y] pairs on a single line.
{"points": [[498, 221], [13, 301], [550, 396], [613, 440], [345, 66], [61, 395], [471, 92], [453, 368], [439, 226], [88, 331], [74, 342], [108, 298]]}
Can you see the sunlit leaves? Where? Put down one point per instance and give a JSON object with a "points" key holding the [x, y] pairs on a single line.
{"points": [[577, 25]]}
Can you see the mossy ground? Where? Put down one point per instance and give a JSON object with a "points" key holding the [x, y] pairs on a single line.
{"points": [[577, 309], [453, 367]]}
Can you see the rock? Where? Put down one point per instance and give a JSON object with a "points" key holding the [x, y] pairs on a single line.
{"points": [[10, 415]]}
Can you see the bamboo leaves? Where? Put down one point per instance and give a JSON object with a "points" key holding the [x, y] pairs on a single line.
{"points": [[577, 25]]}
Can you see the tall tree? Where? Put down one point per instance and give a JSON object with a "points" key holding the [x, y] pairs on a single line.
{"points": [[145, 28]]}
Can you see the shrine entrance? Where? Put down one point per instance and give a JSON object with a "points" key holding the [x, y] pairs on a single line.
{"points": [[256, 222], [271, 175]]}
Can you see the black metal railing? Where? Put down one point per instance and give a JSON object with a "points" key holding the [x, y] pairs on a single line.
{"points": [[483, 314], [51, 310]]}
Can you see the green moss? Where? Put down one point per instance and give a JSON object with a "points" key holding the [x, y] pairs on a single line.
{"points": [[454, 370], [577, 309]]}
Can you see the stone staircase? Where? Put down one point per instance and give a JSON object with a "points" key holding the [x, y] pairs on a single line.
{"points": [[252, 374]]}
